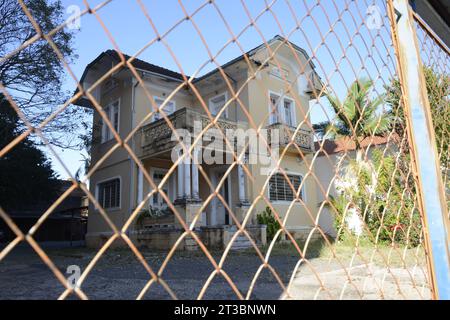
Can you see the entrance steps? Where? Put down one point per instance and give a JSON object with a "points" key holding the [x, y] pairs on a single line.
{"points": [[241, 242]]}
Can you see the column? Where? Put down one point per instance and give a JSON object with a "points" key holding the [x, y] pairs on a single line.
{"points": [[241, 180], [213, 212], [195, 185], [187, 175], [180, 178], [140, 183]]}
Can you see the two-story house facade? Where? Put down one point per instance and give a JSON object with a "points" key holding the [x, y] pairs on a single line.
{"points": [[273, 83]]}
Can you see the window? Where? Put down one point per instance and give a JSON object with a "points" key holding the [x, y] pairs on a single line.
{"points": [[112, 112], [274, 115], [281, 110], [167, 109], [288, 112], [216, 104], [109, 193], [280, 190]]}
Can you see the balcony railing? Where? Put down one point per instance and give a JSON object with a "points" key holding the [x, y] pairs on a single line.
{"points": [[157, 136], [288, 135]]}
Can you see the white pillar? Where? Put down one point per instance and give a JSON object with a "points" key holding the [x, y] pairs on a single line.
{"points": [[213, 212], [187, 176], [195, 185], [241, 180], [140, 183], [180, 179]]}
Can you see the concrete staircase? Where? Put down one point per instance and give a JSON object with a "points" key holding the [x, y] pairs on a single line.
{"points": [[241, 242]]}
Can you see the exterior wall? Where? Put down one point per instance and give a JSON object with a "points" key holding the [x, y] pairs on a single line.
{"points": [[117, 164], [97, 225], [324, 168]]}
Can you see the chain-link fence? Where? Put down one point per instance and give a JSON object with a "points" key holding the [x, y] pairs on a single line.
{"points": [[289, 169]]}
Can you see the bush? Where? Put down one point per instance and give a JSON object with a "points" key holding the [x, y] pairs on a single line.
{"points": [[267, 218], [384, 196], [151, 213]]}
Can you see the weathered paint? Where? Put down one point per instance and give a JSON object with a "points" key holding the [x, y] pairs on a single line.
{"points": [[431, 189]]}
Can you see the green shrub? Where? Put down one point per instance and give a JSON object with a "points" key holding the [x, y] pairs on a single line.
{"points": [[267, 218]]}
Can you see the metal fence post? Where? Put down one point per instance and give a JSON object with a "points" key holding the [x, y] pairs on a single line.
{"points": [[431, 192]]}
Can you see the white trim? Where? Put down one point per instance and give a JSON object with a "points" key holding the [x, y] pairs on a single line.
{"points": [[111, 119], [210, 102], [120, 193], [285, 202], [165, 103]]}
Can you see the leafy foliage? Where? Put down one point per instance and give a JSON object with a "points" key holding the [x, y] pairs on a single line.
{"points": [[34, 75], [438, 89], [26, 176], [357, 116], [383, 197], [267, 218]]}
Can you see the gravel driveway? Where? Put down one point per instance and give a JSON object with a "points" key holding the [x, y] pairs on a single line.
{"points": [[119, 275]]}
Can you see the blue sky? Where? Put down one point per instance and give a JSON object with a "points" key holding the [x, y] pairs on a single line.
{"points": [[132, 31]]}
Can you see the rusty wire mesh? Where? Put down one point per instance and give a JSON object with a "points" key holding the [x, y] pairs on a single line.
{"points": [[382, 257]]}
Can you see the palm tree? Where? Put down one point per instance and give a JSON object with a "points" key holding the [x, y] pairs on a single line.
{"points": [[357, 116]]}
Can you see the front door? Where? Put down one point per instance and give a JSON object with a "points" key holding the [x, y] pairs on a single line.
{"points": [[219, 214], [157, 202]]}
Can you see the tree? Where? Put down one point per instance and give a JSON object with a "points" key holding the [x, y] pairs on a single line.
{"points": [[34, 75], [26, 176], [357, 117], [438, 89]]}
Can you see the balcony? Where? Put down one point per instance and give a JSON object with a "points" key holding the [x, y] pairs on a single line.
{"points": [[303, 139], [156, 137]]}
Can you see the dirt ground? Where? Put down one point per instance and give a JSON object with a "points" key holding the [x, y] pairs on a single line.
{"points": [[119, 275]]}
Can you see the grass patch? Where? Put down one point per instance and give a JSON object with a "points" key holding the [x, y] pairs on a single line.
{"points": [[365, 252], [381, 255]]}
